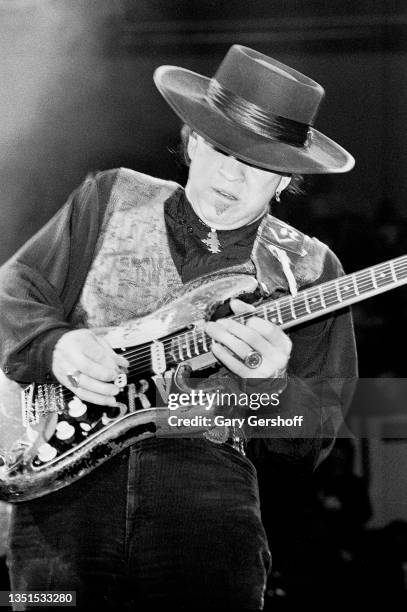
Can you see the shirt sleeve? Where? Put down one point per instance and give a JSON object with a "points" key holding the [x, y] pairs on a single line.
{"points": [[40, 284]]}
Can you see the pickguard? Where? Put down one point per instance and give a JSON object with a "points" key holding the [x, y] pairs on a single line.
{"points": [[61, 438]]}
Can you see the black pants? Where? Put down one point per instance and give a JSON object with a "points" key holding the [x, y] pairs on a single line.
{"points": [[171, 522]]}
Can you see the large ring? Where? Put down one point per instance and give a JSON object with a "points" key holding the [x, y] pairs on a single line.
{"points": [[253, 360], [73, 378]]}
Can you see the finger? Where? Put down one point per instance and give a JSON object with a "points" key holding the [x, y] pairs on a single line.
{"points": [[65, 363], [92, 369], [83, 394], [271, 365], [93, 398], [271, 332], [101, 354], [249, 336], [218, 333], [121, 361], [240, 307], [86, 383], [231, 362]]}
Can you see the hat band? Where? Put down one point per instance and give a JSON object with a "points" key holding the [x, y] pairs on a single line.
{"points": [[254, 118]]}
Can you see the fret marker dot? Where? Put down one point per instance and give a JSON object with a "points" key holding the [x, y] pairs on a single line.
{"points": [[382, 275], [46, 452], [313, 299], [346, 287], [273, 320]]}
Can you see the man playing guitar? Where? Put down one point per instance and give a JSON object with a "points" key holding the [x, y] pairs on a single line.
{"points": [[176, 520]]}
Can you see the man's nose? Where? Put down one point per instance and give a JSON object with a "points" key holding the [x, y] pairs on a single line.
{"points": [[231, 168]]}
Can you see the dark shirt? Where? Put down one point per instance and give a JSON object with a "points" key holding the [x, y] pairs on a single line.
{"points": [[186, 232], [41, 284]]}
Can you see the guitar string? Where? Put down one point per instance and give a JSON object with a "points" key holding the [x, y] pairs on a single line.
{"points": [[360, 282], [189, 337], [286, 306], [364, 281]]}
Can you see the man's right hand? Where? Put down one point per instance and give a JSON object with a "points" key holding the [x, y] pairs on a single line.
{"points": [[94, 363]]}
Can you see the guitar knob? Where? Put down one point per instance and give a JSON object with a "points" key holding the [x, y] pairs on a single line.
{"points": [[65, 431], [76, 408], [46, 452]]}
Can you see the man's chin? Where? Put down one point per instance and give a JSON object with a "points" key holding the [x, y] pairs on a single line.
{"points": [[221, 208]]}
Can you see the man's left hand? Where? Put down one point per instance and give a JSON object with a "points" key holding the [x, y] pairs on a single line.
{"points": [[232, 342]]}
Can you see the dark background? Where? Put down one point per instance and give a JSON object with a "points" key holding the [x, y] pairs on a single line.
{"points": [[77, 92], [76, 95]]}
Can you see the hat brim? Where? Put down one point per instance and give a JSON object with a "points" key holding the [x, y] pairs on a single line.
{"points": [[185, 92]]}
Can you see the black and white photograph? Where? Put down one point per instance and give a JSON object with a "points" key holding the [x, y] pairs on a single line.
{"points": [[203, 305]]}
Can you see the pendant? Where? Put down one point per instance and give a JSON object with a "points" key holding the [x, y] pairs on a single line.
{"points": [[212, 242]]}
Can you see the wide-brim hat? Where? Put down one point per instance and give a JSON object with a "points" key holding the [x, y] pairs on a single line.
{"points": [[256, 109]]}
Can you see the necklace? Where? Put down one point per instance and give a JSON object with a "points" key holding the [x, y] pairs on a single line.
{"points": [[212, 241]]}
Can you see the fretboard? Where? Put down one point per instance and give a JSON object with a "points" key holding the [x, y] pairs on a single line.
{"points": [[308, 304], [334, 294]]}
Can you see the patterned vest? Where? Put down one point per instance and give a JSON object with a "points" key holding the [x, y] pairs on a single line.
{"points": [[133, 273]]}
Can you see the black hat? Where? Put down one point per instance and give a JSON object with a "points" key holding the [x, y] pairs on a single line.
{"points": [[256, 109]]}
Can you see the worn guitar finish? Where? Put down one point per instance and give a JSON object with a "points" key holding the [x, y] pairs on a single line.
{"points": [[49, 438]]}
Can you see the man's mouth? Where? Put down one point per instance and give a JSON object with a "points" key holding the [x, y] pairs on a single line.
{"points": [[225, 194]]}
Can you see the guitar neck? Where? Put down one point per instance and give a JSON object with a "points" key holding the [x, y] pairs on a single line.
{"points": [[308, 304], [285, 312], [327, 297]]}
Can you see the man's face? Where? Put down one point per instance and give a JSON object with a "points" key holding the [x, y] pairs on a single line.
{"points": [[224, 192]]}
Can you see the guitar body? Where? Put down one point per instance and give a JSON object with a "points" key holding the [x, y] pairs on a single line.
{"points": [[49, 438]]}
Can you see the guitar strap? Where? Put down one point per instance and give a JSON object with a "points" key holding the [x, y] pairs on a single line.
{"points": [[286, 259]]}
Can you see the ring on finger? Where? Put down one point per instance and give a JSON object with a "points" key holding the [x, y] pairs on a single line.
{"points": [[253, 360], [73, 378]]}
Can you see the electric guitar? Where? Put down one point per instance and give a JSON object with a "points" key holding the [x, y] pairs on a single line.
{"points": [[50, 438]]}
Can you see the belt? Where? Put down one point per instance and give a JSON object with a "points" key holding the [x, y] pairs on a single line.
{"points": [[230, 436]]}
